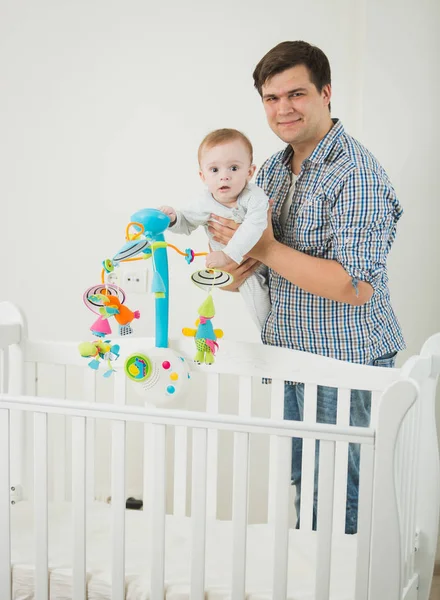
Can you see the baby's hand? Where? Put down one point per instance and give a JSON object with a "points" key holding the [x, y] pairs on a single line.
{"points": [[217, 259], [170, 212]]}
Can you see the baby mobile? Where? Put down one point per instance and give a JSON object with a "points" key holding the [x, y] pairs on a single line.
{"points": [[159, 374]]}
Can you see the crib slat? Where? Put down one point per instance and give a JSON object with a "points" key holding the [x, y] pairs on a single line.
{"points": [[325, 518], [281, 526], [415, 459], [79, 506], [198, 514], [240, 514], [3, 387], [158, 505], [410, 496], [119, 392], [212, 407], [308, 459], [4, 370], [376, 396], [29, 426], [148, 468], [276, 412], [58, 435], [245, 396], [343, 419], [5, 524], [180, 469], [89, 383], [404, 500], [118, 509], [401, 461], [366, 472], [40, 506]]}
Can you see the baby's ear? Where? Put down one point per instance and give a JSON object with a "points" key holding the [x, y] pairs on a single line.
{"points": [[202, 177], [251, 172]]}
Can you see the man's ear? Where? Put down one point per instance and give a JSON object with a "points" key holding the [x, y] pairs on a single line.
{"points": [[327, 93], [251, 172]]}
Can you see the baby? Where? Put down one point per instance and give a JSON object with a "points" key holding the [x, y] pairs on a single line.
{"points": [[225, 161]]}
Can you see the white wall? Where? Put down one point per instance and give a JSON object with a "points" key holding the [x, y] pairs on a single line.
{"points": [[103, 105], [400, 125]]}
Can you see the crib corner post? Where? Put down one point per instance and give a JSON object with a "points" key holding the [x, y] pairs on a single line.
{"points": [[428, 473], [385, 579], [10, 313]]}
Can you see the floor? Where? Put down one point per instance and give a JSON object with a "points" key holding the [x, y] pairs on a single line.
{"points": [[435, 590]]}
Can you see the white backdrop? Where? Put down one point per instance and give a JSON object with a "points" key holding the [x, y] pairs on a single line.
{"points": [[103, 105]]}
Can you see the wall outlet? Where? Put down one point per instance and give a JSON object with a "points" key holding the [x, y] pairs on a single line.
{"points": [[113, 277], [135, 281]]}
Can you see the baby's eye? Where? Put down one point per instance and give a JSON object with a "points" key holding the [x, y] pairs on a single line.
{"points": [[234, 168], [214, 170]]}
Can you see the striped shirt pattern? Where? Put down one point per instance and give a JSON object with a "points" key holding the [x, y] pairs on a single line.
{"points": [[344, 208]]}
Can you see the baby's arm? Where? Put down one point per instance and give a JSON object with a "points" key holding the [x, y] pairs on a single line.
{"points": [[250, 231], [186, 221]]}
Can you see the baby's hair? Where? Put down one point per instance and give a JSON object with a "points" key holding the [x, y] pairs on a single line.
{"points": [[222, 136]]}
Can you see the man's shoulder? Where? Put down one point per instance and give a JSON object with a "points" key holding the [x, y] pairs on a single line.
{"points": [[274, 169], [279, 159], [350, 156]]}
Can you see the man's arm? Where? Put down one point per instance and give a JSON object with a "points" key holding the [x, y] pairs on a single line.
{"points": [[363, 226], [319, 276]]}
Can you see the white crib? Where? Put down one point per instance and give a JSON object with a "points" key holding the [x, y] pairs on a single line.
{"points": [[61, 539]]}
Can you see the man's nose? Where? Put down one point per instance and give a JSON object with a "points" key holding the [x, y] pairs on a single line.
{"points": [[285, 106]]}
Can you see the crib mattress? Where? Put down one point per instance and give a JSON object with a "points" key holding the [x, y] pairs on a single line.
{"points": [[302, 553]]}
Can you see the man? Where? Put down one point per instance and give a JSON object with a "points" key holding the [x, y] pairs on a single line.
{"points": [[333, 223]]}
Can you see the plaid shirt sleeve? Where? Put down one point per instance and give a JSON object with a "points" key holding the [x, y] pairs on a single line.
{"points": [[363, 223]]}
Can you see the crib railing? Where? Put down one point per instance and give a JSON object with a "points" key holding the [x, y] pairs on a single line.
{"points": [[418, 475], [246, 363], [374, 536], [417, 510]]}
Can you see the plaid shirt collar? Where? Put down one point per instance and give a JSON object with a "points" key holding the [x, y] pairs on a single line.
{"points": [[322, 150]]}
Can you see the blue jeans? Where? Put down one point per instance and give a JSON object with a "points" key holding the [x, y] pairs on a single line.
{"points": [[360, 407]]}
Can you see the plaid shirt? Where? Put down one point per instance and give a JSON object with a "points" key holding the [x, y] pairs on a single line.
{"points": [[344, 208]]}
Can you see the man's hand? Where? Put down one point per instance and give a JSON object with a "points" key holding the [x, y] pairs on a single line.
{"points": [[240, 272], [222, 229]]}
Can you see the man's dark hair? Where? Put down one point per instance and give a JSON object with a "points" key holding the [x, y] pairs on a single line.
{"points": [[290, 54]]}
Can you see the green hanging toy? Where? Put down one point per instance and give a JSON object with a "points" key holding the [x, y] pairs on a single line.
{"points": [[205, 335]]}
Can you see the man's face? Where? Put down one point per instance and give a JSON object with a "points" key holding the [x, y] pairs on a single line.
{"points": [[295, 110], [226, 169]]}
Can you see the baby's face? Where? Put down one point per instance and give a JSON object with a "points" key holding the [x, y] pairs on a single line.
{"points": [[226, 169]]}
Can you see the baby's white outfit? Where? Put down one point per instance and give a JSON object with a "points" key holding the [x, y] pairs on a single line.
{"points": [[251, 212]]}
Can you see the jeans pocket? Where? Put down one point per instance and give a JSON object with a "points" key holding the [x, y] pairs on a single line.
{"points": [[388, 360]]}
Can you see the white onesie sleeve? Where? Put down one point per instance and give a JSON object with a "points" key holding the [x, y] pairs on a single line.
{"points": [[188, 220], [252, 227]]}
